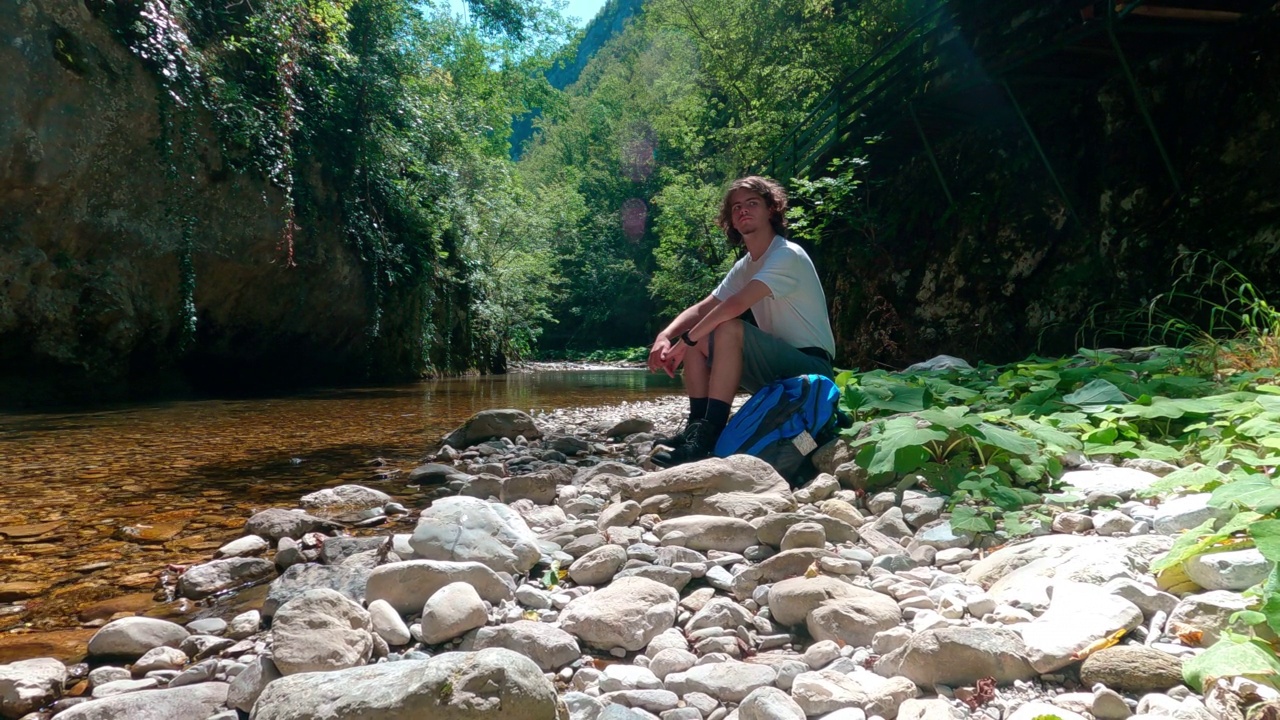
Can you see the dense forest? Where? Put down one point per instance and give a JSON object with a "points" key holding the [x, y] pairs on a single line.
{"points": [[331, 190]]}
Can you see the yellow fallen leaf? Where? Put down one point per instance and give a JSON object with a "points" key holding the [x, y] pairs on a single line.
{"points": [[813, 570], [1097, 645]]}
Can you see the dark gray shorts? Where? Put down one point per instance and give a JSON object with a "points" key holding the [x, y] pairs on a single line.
{"points": [[765, 359]]}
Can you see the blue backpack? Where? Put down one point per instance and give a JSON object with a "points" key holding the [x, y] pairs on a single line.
{"points": [[782, 422]]}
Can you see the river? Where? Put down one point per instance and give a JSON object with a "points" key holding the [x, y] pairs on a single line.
{"points": [[94, 504]]}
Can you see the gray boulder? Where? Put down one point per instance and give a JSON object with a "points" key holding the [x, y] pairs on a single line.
{"points": [[453, 686], [490, 424], [132, 637], [547, 645], [275, 523], [469, 529], [189, 701], [350, 580], [320, 630], [409, 584], [628, 613], [27, 685], [957, 656], [201, 581], [343, 500]]}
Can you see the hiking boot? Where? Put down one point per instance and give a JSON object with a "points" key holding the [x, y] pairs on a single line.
{"points": [[700, 442], [675, 441]]}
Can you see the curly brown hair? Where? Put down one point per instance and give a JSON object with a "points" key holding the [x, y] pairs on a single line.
{"points": [[775, 198]]}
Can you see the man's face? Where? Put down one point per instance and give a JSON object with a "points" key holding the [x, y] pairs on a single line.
{"points": [[748, 210]]}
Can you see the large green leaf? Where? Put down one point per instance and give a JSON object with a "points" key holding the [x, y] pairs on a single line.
{"points": [[1049, 435], [967, 520], [1006, 440], [952, 418], [1266, 535], [1193, 477], [902, 434], [1257, 493], [1228, 658], [1097, 394]]}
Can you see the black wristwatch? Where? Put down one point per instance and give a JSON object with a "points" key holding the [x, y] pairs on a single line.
{"points": [[687, 340]]}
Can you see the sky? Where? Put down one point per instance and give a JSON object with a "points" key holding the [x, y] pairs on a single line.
{"points": [[583, 10]]}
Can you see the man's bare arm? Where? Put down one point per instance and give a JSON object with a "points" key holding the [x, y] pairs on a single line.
{"points": [[686, 320], [739, 303]]}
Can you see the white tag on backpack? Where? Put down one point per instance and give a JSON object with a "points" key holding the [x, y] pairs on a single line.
{"points": [[804, 442]]}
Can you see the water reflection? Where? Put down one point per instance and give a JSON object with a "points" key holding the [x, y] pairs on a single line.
{"points": [[75, 488]]}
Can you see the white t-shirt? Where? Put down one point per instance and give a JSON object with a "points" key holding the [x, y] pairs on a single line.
{"points": [[796, 308]]}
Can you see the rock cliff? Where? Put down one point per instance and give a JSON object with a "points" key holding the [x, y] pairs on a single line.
{"points": [[93, 250]]}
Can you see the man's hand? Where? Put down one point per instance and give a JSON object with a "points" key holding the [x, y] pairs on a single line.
{"points": [[657, 355], [673, 357]]}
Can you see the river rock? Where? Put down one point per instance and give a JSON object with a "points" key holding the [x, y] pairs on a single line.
{"points": [[1078, 615], [275, 523], [826, 691], [691, 488], [407, 585], [320, 630], [1209, 613], [350, 580], [490, 424], [1231, 570], [457, 685], [249, 684], [934, 709], [241, 547], [629, 426], [547, 645], [791, 600], [161, 658], [598, 566], [729, 681], [628, 613], [132, 637], [343, 500], [771, 529], [853, 619], [956, 656], [1120, 481], [451, 611], [201, 581], [1132, 668], [1092, 561], [804, 535], [769, 703], [1186, 512], [708, 532], [437, 474], [469, 529], [189, 701], [388, 624], [28, 685]]}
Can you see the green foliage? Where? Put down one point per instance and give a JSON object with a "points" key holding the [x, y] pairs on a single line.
{"points": [[993, 437], [1234, 655], [1212, 308], [388, 116]]}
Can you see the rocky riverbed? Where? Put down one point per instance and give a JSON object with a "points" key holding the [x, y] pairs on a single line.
{"points": [[556, 574]]}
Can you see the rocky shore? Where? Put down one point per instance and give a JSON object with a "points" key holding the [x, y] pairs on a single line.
{"points": [[554, 573]]}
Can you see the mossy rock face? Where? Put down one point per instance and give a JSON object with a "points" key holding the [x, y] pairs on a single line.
{"points": [[1132, 668]]}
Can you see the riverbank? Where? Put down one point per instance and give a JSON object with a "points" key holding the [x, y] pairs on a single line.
{"points": [[579, 582]]}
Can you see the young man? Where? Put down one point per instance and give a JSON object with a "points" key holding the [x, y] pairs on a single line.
{"points": [[776, 280]]}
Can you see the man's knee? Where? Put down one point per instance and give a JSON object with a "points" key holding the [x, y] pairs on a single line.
{"points": [[728, 332]]}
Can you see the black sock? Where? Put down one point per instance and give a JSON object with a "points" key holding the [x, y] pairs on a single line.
{"points": [[697, 408], [717, 413]]}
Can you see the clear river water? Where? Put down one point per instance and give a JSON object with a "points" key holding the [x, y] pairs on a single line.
{"points": [[95, 504]]}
